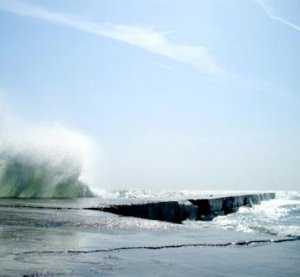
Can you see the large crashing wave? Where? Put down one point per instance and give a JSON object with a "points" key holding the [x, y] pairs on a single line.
{"points": [[21, 176], [43, 163]]}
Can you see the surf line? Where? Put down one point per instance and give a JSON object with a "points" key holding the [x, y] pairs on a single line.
{"points": [[17, 206], [244, 243]]}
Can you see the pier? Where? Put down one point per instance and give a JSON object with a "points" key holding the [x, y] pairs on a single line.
{"points": [[193, 209]]}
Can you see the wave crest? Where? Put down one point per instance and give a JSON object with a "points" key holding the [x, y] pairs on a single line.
{"points": [[44, 163]]}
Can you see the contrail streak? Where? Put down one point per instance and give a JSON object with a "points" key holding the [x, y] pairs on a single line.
{"points": [[268, 12]]}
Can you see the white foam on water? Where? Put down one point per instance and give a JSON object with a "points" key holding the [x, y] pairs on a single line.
{"points": [[280, 216]]}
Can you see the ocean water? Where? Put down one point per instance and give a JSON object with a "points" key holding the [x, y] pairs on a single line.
{"points": [[278, 217], [38, 240]]}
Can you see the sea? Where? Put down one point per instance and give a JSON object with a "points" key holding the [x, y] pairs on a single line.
{"points": [[57, 237]]}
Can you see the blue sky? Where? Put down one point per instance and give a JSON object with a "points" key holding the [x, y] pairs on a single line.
{"points": [[178, 94]]}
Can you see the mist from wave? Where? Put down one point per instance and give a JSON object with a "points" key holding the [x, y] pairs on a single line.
{"points": [[46, 161]]}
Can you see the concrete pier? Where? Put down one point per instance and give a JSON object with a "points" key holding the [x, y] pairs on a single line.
{"points": [[194, 209]]}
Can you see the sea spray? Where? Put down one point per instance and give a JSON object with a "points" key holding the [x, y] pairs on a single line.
{"points": [[45, 161]]}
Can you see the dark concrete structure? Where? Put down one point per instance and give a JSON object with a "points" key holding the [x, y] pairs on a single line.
{"points": [[195, 209]]}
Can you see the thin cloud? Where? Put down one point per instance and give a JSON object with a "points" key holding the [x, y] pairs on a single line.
{"points": [[148, 39], [272, 16]]}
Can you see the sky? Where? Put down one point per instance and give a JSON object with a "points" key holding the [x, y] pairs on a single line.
{"points": [[178, 94]]}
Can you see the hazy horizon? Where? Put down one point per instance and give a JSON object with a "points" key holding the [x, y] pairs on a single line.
{"points": [[161, 94]]}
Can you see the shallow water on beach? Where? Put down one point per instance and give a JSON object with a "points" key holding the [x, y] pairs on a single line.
{"points": [[76, 242]]}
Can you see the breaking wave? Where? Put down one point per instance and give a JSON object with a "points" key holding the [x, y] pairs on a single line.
{"points": [[44, 162], [278, 217]]}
